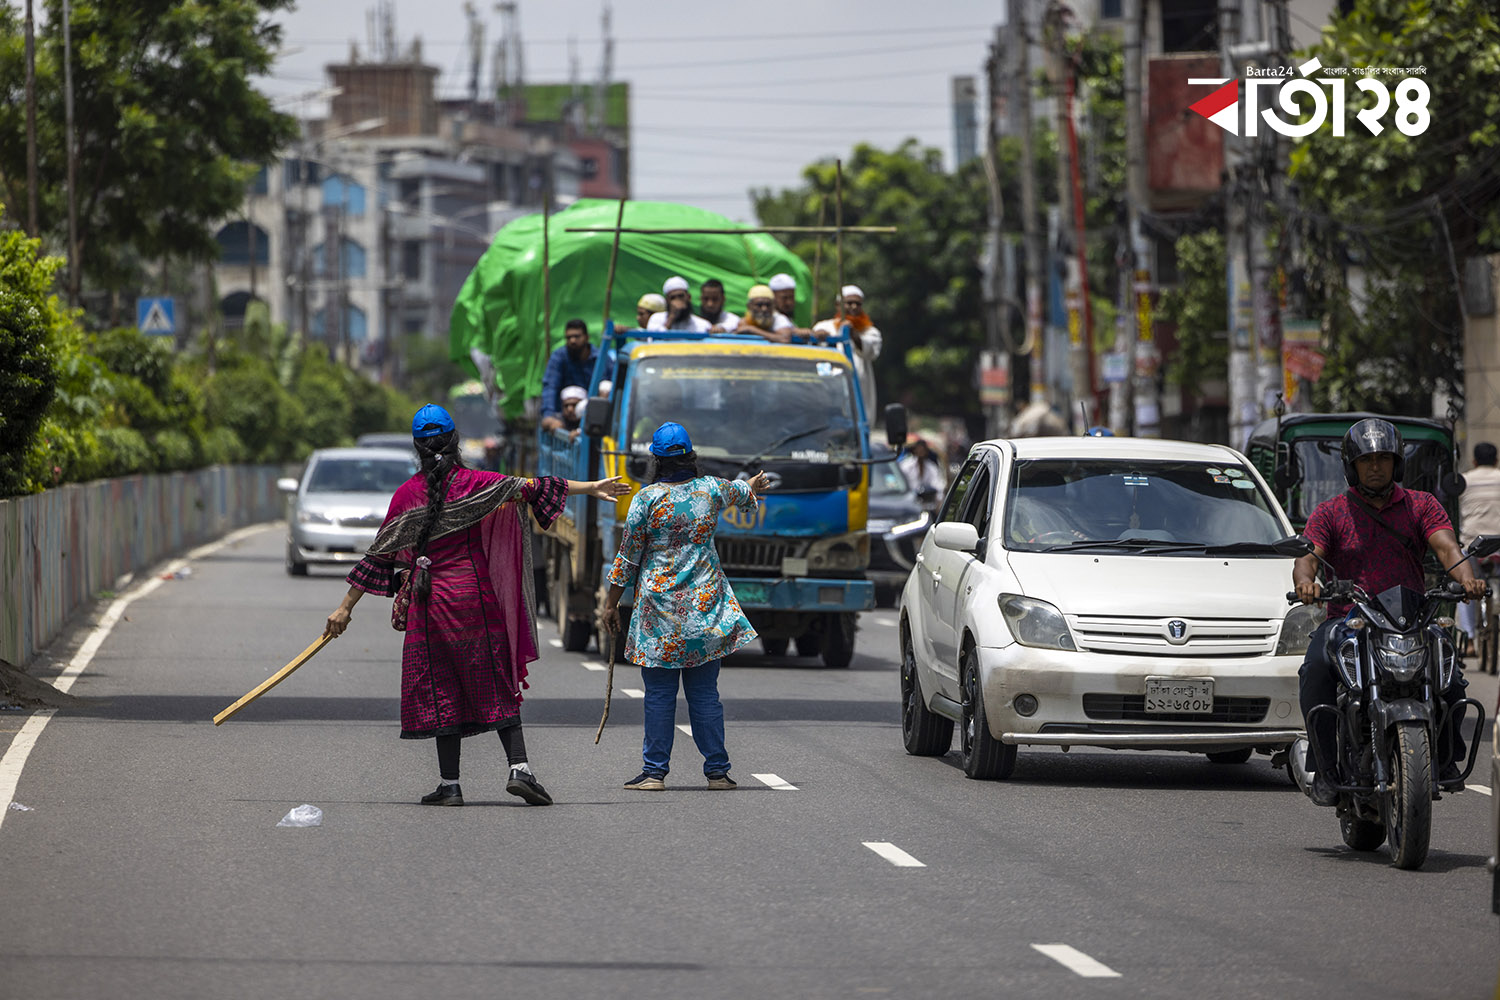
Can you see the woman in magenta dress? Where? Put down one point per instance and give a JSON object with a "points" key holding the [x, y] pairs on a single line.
{"points": [[470, 630]]}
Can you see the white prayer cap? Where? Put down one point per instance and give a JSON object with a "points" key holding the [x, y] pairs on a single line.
{"points": [[676, 283], [851, 292], [577, 392], [653, 302], [605, 385], [780, 282]]}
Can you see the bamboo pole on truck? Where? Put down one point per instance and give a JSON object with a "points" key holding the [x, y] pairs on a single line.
{"points": [[614, 252], [802, 230], [838, 225], [546, 279], [818, 254]]}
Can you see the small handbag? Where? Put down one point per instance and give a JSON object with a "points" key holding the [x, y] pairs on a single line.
{"points": [[402, 603]]}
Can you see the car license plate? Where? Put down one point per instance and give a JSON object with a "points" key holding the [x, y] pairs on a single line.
{"points": [[1179, 696]]}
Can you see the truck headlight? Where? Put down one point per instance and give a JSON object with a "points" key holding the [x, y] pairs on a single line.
{"points": [[1297, 629], [842, 553], [1035, 623]]}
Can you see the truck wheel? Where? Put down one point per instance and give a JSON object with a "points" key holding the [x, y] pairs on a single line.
{"points": [[809, 643], [983, 756], [774, 647], [838, 639], [576, 635], [924, 733]]}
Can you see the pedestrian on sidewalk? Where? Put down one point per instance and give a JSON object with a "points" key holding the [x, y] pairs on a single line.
{"points": [[686, 619], [455, 551]]}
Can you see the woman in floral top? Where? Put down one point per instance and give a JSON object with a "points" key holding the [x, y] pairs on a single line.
{"points": [[686, 618]]}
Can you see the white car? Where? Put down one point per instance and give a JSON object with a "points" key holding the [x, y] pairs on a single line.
{"points": [[339, 504], [1108, 592]]}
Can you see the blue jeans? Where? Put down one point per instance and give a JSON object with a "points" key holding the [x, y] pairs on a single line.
{"points": [[700, 685]]}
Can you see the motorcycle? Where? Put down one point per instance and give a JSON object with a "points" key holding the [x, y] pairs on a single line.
{"points": [[1394, 658]]}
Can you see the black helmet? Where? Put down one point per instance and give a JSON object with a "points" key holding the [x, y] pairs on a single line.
{"points": [[1372, 436]]}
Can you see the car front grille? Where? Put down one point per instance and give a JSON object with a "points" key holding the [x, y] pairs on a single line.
{"points": [[756, 554], [365, 521], [1148, 635], [1230, 708]]}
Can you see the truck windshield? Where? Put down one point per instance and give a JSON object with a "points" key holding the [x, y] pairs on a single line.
{"points": [[740, 406], [1321, 471], [1065, 503]]}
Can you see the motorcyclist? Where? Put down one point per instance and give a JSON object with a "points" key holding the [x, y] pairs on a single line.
{"points": [[1375, 535]]}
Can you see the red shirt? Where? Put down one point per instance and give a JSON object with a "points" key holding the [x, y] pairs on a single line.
{"points": [[1362, 551]]}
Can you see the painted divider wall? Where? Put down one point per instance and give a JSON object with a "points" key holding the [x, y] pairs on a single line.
{"points": [[60, 548]]}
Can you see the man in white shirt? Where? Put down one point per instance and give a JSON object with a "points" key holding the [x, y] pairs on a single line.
{"points": [[761, 318], [1478, 514], [679, 314], [865, 336], [784, 290], [711, 307]]}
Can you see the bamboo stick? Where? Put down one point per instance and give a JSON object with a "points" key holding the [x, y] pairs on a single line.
{"points": [[735, 232], [274, 679], [614, 252]]}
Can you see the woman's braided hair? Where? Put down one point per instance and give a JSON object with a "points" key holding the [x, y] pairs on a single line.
{"points": [[438, 456]]}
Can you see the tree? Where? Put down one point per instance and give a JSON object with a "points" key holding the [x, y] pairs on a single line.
{"points": [[29, 318], [1198, 307], [169, 128]]}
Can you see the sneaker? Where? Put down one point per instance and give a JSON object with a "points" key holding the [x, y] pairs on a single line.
{"points": [[647, 781], [720, 779], [444, 795], [524, 784], [1323, 792]]}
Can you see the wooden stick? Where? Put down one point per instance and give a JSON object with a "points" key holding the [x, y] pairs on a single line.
{"points": [[614, 252], [818, 255], [838, 227], [609, 686], [546, 280], [739, 232], [274, 679]]}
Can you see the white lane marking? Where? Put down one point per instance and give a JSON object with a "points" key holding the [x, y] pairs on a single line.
{"points": [[633, 692], [685, 728], [20, 747], [555, 643], [591, 665], [775, 781], [1076, 961], [893, 854], [1481, 789]]}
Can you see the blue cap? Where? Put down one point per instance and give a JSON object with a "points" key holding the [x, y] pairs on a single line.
{"points": [[670, 439], [1099, 432], [430, 421]]}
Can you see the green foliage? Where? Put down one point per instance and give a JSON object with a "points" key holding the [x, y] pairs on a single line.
{"points": [[124, 452], [1199, 307], [167, 117], [427, 371]]}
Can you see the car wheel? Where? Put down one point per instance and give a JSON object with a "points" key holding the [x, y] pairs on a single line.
{"points": [[983, 756], [293, 566], [774, 647], [1231, 756], [924, 732], [838, 639]]}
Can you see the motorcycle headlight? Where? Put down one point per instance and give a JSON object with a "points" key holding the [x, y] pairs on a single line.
{"points": [[1401, 656], [1035, 623], [312, 517], [1297, 629]]}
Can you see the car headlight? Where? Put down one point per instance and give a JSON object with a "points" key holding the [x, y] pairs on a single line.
{"points": [[312, 517], [1401, 656], [879, 525], [920, 523], [1297, 629], [1035, 623]]}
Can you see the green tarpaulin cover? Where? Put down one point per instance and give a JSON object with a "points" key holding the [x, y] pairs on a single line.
{"points": [[499, 310]]}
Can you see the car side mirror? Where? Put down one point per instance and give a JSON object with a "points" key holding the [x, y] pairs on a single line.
{"points": [[895, 425], [1294, 546], [598, 412], [1484, 545], [287, 485], [959, 536]]}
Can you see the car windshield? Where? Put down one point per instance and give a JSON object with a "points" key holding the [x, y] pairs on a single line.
{"points": [[743, 406], [887, 480], [1055, 504], [359, 475]]}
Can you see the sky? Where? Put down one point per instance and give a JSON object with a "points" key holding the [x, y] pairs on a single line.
{"points": [[724, 96]]}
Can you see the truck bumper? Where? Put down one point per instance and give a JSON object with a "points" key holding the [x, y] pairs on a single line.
{"points": [[810, 594]]}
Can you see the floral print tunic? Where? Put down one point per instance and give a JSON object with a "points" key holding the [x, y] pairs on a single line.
{"points": [[685, 611]]}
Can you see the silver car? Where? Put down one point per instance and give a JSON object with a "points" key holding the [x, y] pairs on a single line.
{"points": [[340, 503]]}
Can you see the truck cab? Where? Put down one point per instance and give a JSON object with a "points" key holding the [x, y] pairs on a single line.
{"points": [[798, 563]]}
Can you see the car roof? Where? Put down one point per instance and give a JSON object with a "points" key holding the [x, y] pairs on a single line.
{"points": [[1114, 447], [362, 454]]}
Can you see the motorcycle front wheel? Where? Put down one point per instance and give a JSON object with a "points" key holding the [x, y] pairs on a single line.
{"points": [[1408, 808]]}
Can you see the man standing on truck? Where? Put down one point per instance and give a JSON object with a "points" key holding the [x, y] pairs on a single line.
{"points": [[784, 289], [762, 319], [865, 336], [679, 314], [711, 307], [570, 364]]}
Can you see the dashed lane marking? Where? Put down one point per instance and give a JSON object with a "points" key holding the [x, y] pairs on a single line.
{"points": [[893, 854], [1481, 789], [775, 781], [555, 643], [591, 665], [885, 621], [633, 692], [1076, 961]]}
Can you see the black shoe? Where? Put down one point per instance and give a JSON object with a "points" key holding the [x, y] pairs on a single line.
{"points": [[445, 795], [720, 779], [1323, 792], [647, 781], [1450, 776], [525, 785]]}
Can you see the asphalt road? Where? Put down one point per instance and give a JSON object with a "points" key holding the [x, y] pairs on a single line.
{"points": [[150, 863]]}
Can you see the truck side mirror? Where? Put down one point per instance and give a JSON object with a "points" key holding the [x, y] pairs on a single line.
{"points": [[895, 425], [598, 412]]}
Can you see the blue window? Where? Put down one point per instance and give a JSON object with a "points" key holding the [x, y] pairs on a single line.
{"points": [[354, 260], [236, 245], [340, 191], [355, 322]]}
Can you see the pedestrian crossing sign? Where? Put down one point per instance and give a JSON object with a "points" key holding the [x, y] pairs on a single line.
{"points": [[156, 315]]}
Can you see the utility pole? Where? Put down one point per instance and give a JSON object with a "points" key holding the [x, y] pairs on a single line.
{"points": [[1018, 17], [31, 192], [998, 293], [75, 266], [1244, 409], [1141, 357]]}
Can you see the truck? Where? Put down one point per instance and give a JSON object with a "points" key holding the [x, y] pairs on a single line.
{"points": [[797, 563]]}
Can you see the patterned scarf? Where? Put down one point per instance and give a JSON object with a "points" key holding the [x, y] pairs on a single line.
{"points": [[405, 530]]}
